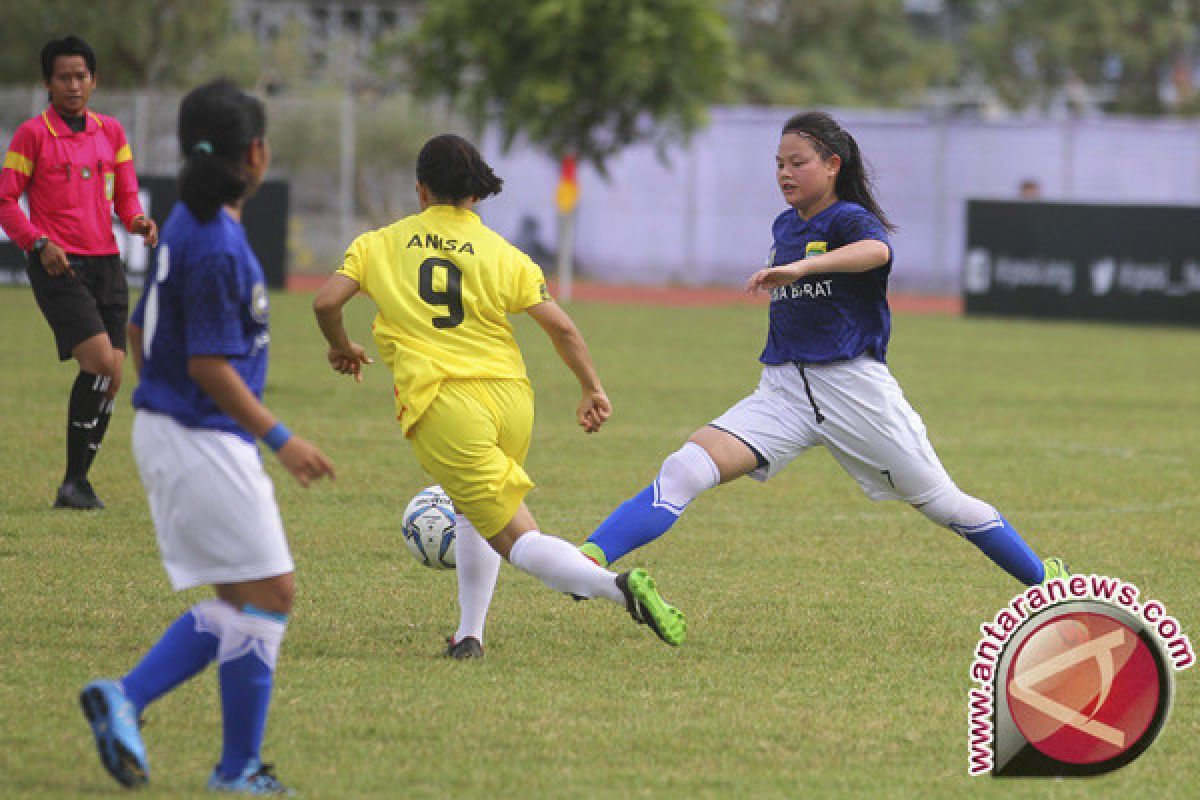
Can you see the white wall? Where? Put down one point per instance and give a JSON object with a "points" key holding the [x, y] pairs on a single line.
{"points": [[704, 217]]}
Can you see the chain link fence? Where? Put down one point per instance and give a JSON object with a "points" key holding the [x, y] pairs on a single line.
{"points": [[700, 216]]}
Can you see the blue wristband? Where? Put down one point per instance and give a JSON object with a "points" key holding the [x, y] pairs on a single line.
{"points": [[277, 437]]}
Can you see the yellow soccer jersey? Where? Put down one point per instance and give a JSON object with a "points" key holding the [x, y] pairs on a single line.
{"points": [[444, 284]]}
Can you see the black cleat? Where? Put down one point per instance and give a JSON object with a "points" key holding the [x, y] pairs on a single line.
{"points": [[78, 495], [469, 647]]}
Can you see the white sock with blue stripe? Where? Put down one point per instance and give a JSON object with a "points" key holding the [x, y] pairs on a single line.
{"points": [[246, 657], [649, 514], [984, 527]]}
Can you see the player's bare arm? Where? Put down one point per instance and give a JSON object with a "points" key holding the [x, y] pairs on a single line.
{"points": [[220, 381], [344, 355], [594, 408], [860, 256]]}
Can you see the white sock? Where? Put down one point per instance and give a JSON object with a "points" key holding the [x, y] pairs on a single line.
{"points": [[560, 565], [252, 631], [684, 474], [214, 616], [477, 565]]}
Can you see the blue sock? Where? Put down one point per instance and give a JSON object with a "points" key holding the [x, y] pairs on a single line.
{"points": [[183, 651], [246, 680], [1003, 545], [634, 523]]}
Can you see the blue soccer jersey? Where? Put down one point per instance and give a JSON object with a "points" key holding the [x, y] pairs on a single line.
{"points": [[833, 316], [207, 297]]}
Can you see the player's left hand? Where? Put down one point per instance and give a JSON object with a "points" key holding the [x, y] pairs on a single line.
{"points": [[304, 461], [594, 409], [349, 361], [146, 228], [772, 277]]}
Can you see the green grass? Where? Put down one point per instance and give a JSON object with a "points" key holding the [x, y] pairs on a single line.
{"points": [[830, 637]]}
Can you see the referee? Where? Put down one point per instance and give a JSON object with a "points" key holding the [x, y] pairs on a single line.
{"points": [[75, 166]]}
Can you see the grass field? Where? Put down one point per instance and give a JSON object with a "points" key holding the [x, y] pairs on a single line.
{"points": [[829, 637]]}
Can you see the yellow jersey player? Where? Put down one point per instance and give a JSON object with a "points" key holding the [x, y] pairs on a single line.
{"points": [[444, 284]]}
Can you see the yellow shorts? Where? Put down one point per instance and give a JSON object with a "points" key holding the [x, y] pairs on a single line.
{"points": [[473, 439]]}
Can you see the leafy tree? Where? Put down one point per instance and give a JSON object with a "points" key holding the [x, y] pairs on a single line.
{"points": [[834, 52], [137, 42], [576, 77], [1032, 50]]}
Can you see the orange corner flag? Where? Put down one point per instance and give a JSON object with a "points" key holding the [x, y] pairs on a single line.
{"points": [[567, 195]]}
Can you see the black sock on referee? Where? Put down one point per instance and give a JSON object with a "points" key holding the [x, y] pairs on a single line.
{"points": [[83, 416], [98, 431]]}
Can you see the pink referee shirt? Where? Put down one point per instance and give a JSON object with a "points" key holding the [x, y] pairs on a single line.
{"points": [[73, 181]]}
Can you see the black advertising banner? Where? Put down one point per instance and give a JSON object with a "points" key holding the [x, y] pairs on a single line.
{"points": [[1082, 261], [265, 218]]}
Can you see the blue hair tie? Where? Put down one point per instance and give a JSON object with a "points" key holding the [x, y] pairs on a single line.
{"points": [[202, 146]]}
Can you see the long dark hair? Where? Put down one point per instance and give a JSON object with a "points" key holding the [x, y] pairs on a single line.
{"points": [[453, 170], [830, 139], [217, 124]]}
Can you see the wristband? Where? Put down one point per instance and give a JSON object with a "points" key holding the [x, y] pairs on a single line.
{"points": [[277, 437]]}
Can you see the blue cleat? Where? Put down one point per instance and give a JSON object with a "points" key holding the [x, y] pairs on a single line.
{"points": [[256, 778], [115, 726]]}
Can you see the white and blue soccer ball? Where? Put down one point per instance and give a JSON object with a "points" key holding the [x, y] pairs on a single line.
{"points": [[429, 528]]}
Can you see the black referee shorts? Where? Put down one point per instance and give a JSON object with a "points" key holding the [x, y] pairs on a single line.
{"points": [[93, 300]]}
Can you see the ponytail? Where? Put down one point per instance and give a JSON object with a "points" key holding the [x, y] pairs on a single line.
{"points": [[453, 170], [218, 122], [830, 139]]}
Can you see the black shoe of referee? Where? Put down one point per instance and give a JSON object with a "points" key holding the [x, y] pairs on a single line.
{"points": [[79, 495]]}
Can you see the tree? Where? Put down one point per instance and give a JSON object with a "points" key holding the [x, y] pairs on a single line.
{"points": [[834, 52], [575, 77], [1035, 50], [137, 42]]}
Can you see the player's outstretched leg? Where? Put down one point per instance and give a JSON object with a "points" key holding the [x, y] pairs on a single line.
{"points": [[649, 514], [561, 566], [647, 607], [987, 529], [115, 725]]}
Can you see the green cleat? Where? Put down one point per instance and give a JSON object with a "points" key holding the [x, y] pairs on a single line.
{"points": [[1054, 568], [647, 607], [594, 553]]}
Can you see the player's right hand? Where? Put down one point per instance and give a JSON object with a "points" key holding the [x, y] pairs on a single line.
{"points": [[593, 410], [304, 460], [349, 361], [55, 261], [772, 277]]}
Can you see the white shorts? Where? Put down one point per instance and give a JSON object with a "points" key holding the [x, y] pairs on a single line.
{"points": [[212, 504], [864, 421]]}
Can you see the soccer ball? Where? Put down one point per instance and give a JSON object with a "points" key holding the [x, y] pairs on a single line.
{"points": [[429, 528]]}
